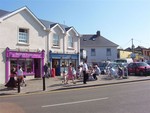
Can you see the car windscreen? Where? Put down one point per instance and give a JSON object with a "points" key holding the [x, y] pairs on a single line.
{"points": [[142, 64]]}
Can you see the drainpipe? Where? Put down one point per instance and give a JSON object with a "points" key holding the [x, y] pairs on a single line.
{"points": [[7, 64]]}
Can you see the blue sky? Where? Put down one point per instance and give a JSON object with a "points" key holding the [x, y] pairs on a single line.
{"points": [[117, 20]]}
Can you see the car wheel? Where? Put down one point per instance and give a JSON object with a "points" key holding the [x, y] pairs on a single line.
{"points": [[141, 73], [128, 73]]}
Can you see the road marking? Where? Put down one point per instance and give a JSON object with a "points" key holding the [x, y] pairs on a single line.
{"points": [[76, 102]]}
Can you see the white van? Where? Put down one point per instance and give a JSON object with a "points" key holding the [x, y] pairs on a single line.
{"points": [[124, 60]]}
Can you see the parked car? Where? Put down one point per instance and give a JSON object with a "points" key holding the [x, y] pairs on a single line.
{"points": [[148, 61], [118, 70], [102, 66], [125, 60], [110, 65], [139, 68]]}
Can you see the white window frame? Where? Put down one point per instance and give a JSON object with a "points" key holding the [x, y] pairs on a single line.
{"points": [[108, 52], [70, 42], [56, 40], [93, 52], [23, 36]]}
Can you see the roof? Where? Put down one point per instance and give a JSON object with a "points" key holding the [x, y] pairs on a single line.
{"points": [[96, 41], [3, 13], [6, 14], [63, 27], [46, 24]]}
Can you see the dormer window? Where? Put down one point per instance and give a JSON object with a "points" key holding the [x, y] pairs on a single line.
{"points": [[84, 39], [93, 39]]}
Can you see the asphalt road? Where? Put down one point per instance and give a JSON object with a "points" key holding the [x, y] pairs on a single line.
{"points": [[120, 98]]}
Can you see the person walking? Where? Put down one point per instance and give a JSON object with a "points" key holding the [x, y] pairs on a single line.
{"points": [[20, 76], [46, 70], [70, 74], [12, 83], [64, 75], [85, 72]]}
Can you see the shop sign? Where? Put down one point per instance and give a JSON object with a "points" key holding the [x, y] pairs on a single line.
{"points": [[24, 55]]}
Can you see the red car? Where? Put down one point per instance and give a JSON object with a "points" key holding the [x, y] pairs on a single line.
{"points": [[139, 68]]}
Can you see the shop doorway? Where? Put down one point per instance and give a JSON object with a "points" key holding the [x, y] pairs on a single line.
{"points": [[37, 69], [56, 65]]}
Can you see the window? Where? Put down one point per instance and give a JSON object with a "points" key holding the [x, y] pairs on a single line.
{"points": [[70, 42], [26, 64], [108, 52], [23, 35], [29, 65], [93, 52], [55, 40]]}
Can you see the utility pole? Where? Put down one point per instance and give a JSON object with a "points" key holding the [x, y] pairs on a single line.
{"points": [[133, 54], [132, 46]]}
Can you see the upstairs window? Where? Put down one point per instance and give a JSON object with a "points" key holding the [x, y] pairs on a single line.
{"points": [[70, 42], [93, 52], [108, 52], [23, 35], [55, 40]]}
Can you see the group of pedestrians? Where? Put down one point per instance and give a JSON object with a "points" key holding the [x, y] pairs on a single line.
{"points": [[70, 75], [15, 77], [91, 72], [83, 72]]}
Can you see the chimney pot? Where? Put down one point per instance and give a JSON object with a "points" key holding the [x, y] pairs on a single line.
{"points": [[98, 33]]}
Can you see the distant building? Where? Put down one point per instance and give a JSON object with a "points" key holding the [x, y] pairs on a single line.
{"points": [[141, 52], [124, 54], [98, 48]]}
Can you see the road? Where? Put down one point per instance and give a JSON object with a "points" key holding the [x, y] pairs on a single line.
{"points": [[120, 98]]}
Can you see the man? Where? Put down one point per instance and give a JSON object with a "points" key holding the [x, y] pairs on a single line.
{"points": [[85, 72], [46, 70]]}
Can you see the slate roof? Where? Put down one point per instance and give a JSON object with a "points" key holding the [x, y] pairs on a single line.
{"points": [[95, 41], [3, 13], [50, 24]]}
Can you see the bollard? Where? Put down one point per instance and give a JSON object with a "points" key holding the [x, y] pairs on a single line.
{"points": [[145, 71], [43, 83], [18, 85]]}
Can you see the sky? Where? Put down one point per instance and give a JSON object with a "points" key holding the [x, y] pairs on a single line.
{"points": [[119, 21]]}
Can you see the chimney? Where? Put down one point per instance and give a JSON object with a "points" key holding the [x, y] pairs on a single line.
{"points": [[98, 33]]}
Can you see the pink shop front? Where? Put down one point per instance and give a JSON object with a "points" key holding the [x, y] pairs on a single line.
{"points": [[31, 62]]}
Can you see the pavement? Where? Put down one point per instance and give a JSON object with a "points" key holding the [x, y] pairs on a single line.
{"points": [[55, 84]]}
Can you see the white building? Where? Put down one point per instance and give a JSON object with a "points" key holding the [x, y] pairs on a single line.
{"points": [[29, 42], [98, 48]]}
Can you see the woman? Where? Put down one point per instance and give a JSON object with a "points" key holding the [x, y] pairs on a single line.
{"points": [[70, 74], [12, 82]]}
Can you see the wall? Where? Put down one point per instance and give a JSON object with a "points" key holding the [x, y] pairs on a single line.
{"points": [[101, 54], [9, 36]]}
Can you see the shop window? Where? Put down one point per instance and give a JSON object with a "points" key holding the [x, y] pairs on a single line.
{"points": [[29, 65], [22, 64], [64, 65], [26, 64], [13, 64]]}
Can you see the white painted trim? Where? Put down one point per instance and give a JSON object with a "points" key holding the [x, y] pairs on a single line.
{"points": [[19, 10], [77, 34], [59, 27]]}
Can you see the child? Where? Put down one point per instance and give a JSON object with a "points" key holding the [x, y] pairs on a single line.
{"points": [[64, 77]]}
